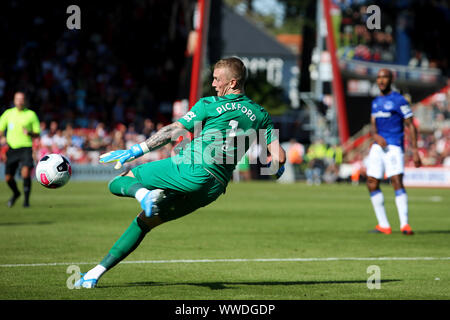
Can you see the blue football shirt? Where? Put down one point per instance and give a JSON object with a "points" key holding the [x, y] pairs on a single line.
{"points": [[389, 112]]}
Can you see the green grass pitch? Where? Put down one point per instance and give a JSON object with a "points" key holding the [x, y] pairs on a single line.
{"points": [[313, 243]]}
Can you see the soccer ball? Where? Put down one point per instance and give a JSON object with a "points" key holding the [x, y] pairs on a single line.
{"points": [[53, 171]]}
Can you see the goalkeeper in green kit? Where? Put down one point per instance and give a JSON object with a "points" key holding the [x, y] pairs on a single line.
{"points": [[224, 127]]}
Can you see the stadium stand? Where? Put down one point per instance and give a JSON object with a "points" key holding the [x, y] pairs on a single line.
{"points": [[124, 65], [102, 87], [400, 20], [433, 120], [93, 93]]}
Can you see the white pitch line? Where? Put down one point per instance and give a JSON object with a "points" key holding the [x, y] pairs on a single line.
{"points": [[235, 260]]}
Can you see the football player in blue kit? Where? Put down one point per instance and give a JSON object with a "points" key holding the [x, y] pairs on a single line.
{"points": [[390, 114]]}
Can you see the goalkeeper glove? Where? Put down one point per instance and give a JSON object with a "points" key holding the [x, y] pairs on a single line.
{"points": [[122, 156]]}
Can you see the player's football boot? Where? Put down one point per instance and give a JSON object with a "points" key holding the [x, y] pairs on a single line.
{"points": [[150, 202], [406, 230], [379, 229], [13, 199], [83, 283]]}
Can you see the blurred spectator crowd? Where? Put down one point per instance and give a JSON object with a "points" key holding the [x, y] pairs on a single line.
{"points": [[434, 141], [126, 63], [112, 83], [423, 23], [84, 145], [360, 43]]}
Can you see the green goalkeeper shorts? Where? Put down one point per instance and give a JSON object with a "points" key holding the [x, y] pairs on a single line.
{"points": [[188, 186]]}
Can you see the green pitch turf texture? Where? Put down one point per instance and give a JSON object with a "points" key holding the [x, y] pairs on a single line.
{"points": [[77, 225]]}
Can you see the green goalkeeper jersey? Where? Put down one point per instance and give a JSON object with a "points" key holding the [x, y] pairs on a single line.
{"points": [[224, 128]]}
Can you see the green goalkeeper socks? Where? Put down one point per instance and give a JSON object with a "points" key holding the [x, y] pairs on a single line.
{"points": [[124, 186], [126, 244]]}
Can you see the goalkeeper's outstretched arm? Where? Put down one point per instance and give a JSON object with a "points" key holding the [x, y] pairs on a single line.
{"points": [[163, 136], [159, 139]]}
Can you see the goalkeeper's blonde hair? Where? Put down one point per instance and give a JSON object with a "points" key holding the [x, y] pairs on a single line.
{"points": [[236, 68]]}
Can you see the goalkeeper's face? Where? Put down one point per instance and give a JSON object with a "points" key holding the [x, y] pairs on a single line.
{"points": [[222, 82]]}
